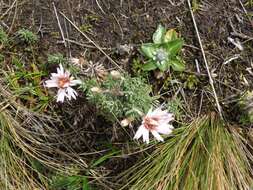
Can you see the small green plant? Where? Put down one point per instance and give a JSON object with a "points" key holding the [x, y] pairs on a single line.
{"points": [[246, 107], [1, 58], [195, 5], [25, 82], [191, 82], [74, 182], [176, 106], [249, 3], [163, 53], [27, 36], [3, 37], [136, 68], [119, 97], [56, 59], [86, 27]]}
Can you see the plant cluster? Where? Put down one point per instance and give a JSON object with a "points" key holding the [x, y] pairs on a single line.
{"points": [[27, 36], [163, 53], [56, 59], [119, 96], [23, 75]]}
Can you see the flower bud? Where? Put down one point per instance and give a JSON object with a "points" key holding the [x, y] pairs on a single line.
{"points": [[78, 61], [125, 122], [74, 61], [115, 74], [95, 90]]}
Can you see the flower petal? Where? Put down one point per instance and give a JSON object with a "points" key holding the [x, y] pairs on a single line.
{"points": [[61, 95], [51, 83], [75, 82], [158, 111], [67, 74], [165, 129], [60, 70], [146, 136], [55, 75], [166, 118], [139, 132], [71, 93], [156, 135]]}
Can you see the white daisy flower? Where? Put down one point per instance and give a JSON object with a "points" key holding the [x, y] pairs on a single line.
{"points": [[156, 122], [63, 81]]}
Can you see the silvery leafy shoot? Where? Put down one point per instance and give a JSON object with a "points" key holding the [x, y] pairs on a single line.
{"points": [[163, 53]]}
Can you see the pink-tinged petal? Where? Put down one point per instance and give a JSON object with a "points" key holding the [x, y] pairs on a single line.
{"points": [[67, 74], [51, 83], [75, 82], [158, 111], [55, 75], [165, 129], [61, 95], [166, 118], [160, 115], [146, 136], [139, 132], [71, 93], [156, 135], [60, 70]]}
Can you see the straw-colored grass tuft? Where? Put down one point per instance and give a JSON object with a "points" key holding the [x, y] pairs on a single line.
{"points": [[207, 154]]}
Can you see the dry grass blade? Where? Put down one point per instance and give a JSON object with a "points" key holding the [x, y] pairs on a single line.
{"points": [[207, 154], [15, 171]]}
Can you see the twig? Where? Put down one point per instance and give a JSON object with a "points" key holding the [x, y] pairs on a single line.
{"points": [[40, 27], [176, 4], [9, 9], [4, 25], [197, 65], [238, 34], [121, 30], [236, 43], [236, 56], [67, 35], [13, 19], [91, 41], [85, 45], [100, 7], [59, 24], [201, 102], [205, 61]]}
